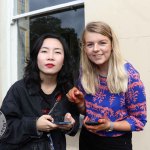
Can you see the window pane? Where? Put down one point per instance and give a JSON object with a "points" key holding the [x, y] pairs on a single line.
{"points": [[34, 4], [69, 23], [23, 44], [23, 6]]}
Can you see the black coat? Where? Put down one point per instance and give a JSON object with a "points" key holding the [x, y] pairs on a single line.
{"points": [[22, 107]]}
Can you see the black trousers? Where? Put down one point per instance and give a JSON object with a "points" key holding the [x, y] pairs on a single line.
{"points": [[90, 141]]}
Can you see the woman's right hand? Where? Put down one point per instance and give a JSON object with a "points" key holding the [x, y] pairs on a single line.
{"points": [[76, 96], [45, 123]]}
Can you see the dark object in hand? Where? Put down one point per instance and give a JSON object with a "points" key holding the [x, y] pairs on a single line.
{"points": [[92, 123], [62, 122]]}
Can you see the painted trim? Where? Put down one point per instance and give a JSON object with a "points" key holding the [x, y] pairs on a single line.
{"points": [[48, 9]]}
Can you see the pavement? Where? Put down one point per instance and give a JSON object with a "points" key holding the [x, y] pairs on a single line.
{"points": [[73, 141]]}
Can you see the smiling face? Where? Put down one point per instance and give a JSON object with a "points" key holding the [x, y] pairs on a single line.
{"points": [[98, 48], [50, 58]]}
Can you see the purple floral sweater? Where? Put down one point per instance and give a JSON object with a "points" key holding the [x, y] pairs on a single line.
{"points": [[129, 106]]}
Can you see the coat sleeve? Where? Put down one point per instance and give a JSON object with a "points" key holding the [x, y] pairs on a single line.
{"points": [[20, 128], [75, 114]]}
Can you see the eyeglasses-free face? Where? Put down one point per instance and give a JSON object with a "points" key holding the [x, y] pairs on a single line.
{"points": [[50, 58], [97, 47]]}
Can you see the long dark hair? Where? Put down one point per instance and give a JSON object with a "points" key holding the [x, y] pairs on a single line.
{"points": [[65, 76]]}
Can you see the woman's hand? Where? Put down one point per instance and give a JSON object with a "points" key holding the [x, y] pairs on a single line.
{"points": [[44, 123], [107, 125], [104, 124], [67, 118], [76, 96]]}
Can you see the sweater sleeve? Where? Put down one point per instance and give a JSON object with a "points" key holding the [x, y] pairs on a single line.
{"points": [[136, 101]]}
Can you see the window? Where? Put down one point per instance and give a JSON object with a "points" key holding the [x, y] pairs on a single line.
{"points": [[67, 20], [24, 6]]}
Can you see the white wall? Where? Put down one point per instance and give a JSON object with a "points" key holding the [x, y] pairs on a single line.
{"points": [[8, 48], [4, 50], [130, 20]]}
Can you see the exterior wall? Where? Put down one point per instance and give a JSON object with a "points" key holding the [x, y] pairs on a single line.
{"points": [[4, 49], [8, 48], [130, 20]]}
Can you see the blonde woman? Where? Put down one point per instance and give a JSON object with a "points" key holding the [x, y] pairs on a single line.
{"points": [[109, 92]]}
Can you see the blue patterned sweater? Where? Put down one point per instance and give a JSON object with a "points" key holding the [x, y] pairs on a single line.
{"points": [[129, 106]]}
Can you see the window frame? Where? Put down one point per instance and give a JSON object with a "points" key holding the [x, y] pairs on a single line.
{"points": [[48, 9], [14, 30]]}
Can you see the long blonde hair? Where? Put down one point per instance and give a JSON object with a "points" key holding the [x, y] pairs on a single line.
{"points": [[117, 78]]}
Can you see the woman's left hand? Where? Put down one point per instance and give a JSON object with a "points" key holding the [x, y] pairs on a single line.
{"points": [[67, 118], [104, 124]]}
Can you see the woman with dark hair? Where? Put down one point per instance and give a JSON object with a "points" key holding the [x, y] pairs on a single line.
{"points": [[36, 108]]}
